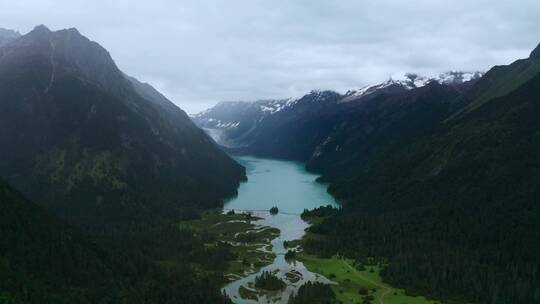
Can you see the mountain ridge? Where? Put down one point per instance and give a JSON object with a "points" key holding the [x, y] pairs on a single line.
{"points": [[236, 133], [440, 182], [121, 151]]}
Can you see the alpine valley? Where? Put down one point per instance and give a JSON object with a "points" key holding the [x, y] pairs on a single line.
{"points": [[417, 190], [437, 177]]}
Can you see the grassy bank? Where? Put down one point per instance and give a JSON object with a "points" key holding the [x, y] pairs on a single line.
{"points": [[354, 284], [249, 243], [351, 282]]}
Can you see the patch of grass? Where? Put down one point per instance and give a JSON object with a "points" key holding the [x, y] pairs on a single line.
{"points": [[350, 281], [251, 244], [215, 221]]}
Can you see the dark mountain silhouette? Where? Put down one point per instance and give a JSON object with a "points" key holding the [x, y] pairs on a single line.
{"points": [[446, 189], [94, 145]]}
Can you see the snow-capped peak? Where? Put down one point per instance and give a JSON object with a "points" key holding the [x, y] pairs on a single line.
{"points": [[367, 90], [412, 81], [274, 106]]}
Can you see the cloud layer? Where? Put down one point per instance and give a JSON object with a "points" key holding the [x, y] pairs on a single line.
{"points": [[200, 52]]}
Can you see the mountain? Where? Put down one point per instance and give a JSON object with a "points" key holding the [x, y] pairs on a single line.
{"points": [[7, 36], [264, 127], [438, 179], [413, 81], [230, 123], [96, 146], [363, 128], [44, 260], [291, 132], [502, 80], [448, 194], [297, 128], [377, 133]]}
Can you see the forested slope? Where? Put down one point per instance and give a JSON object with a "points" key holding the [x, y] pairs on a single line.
{"points": [[43, 260], [94, 146], [455, 209]]}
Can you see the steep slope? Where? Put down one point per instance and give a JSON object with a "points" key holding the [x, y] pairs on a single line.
{"points": [[439, 179], [293, 132], [43, 260], [454, 208], [502, 80], [272, 128], [297, 129], [148, 92], [363, 130], [268, 128], [95, 146], [417, 119], [231, 123]]}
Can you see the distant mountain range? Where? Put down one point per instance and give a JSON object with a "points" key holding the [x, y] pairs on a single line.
{"points": [[262, 127], [94, 145]]}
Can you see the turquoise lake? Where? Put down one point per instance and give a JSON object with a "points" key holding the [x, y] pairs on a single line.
{"points": [[280, 183], [292, 189]]}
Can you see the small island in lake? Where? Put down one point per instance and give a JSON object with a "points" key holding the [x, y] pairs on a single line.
{"points": [[269, 281], [274, 210], [290, 255]]}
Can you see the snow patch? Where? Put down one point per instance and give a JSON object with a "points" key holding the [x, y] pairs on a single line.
{"points": [[411, 81], [273, 106]]}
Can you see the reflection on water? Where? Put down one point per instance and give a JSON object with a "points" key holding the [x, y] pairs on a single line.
{"points": [[292, 189]]}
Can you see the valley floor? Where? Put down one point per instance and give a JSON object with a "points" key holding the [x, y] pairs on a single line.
{"points": [[249, 243], [252, 248], [350, 281]]}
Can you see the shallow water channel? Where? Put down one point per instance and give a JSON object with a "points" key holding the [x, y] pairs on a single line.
{"points": [[292, 189]]}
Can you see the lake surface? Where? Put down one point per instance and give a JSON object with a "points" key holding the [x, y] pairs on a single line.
{"points": [[284, 184], [292, 189]]}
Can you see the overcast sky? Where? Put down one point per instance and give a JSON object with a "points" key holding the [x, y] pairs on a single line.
{"points": [[200, 52]]}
